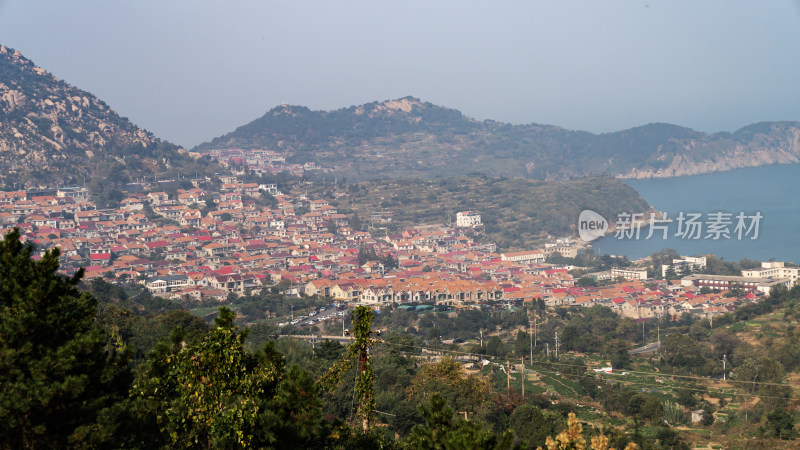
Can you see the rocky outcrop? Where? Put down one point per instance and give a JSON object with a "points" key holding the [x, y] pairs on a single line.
{"points": [[777, 144], [48, 127]]}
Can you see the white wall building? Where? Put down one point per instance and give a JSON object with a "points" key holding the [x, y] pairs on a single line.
{"points": [[774, 269], [630, 273], [685, 262], [527, 256], [468, 219]]}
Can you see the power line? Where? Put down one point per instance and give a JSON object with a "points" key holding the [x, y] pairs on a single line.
{"points": [[614, 381], [637, 372]]}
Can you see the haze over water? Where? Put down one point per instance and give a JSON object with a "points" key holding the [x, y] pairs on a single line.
{"points": [[774, 191]]}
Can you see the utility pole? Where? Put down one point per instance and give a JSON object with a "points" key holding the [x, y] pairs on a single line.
{"points": [[508, 379], [522, 377], [531, 336], [724, 364], [358, 351], [557, 342], [658, 334], [481, 337]]}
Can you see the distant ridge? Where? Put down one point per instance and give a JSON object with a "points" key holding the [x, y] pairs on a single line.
{"points": [[409, 137]]}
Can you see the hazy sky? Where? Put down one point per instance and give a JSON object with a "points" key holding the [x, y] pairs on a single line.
{"points": [[192, 70]]}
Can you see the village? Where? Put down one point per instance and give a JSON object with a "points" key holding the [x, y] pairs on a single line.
{"points": [[197, 245]]}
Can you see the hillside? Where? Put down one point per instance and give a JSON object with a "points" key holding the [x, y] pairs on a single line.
{"points": [[54, 133], [516, 213], [409, 137]]}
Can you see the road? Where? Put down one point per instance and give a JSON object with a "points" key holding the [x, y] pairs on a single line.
{"points": [[329, 313], [644, 349]]}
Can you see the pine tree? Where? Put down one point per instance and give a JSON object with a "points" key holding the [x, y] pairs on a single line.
{"points": [[59, 377]]}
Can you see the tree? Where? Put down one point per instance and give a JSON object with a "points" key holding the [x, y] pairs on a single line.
{"points": [[495, 347], [681, 351], [355, 222], [366, 254], [331, 226], [652, 409], [210, 393], [293, 418], [362, 320], [617, 352], [572, 438], [522, 344], [724, 341], [663, 257], [60, 372], [447, 379], [390, 262], [442, 431], [532, 425], [780, 424]]}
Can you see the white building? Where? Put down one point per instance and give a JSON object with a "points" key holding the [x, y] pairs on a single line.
{"points": [[527, 256], [77, 193], [271, 189], [774, 269], [723, 282], [167, 283], [630, 273], [468, 219], [679, 266]]}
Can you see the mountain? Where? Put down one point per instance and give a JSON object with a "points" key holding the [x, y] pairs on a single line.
{"points": [[54, 133], [408, 137]]}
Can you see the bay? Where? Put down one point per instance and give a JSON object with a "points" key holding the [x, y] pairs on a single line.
{"points": [[773, 191]]}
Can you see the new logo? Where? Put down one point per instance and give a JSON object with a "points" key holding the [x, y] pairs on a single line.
{"points": [[591, 225]]}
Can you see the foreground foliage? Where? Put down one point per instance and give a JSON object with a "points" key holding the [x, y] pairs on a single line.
{"points": [[59, 371], [67, 381]]}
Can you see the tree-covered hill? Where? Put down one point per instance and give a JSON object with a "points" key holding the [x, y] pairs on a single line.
{"points": [[409, 137], [515, 212]]}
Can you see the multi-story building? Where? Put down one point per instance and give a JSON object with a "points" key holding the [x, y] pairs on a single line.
{"points": [[773, 269], [468, 219], [630, 273]]}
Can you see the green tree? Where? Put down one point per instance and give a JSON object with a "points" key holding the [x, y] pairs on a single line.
{"points": [[355, 222], [366, 254], [331, 226], [365, 383], [522, 345], [495, 347], [532, 426], [616, 351], [681, 351], [390, 262], [293, 418], [780, 424], [448, 380], [60, 374], [210, 394], [442, 431]]}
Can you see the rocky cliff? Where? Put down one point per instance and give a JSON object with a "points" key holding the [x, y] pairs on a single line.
{"points": [[54, 133]]}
